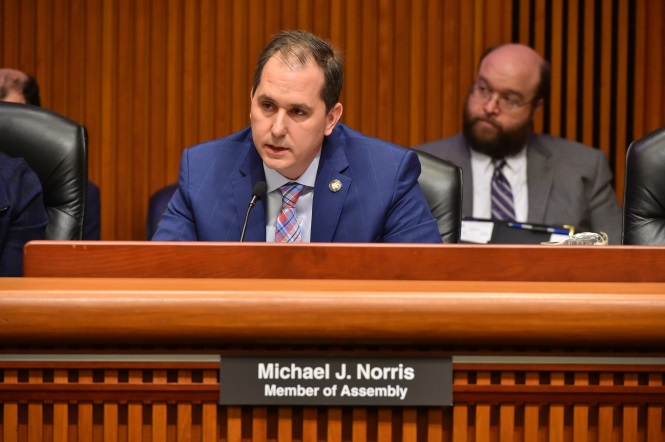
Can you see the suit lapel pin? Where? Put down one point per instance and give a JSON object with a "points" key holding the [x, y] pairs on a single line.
{"points": [[335, 186]]}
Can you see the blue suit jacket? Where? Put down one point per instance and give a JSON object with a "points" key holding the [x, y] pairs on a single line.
{"points": [[380, 199], [22, 213]]}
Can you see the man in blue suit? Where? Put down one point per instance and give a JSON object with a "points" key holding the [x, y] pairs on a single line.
{"points": [[325, 181]]}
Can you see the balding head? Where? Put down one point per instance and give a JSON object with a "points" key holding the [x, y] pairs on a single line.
{"points": [[18, 87], [519, 62], [510, 86]]}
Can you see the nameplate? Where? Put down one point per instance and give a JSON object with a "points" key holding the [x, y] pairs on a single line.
{"points": [[336, 381]]}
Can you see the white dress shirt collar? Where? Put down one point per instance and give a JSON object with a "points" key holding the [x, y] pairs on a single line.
{"points": [[275, 180]]}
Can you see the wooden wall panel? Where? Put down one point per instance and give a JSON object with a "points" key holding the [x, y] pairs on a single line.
{"points": [[386, 52], [538, 24], [449, 120], [621, 113], [605, 76], [416, 72], [570, 115], [653, 65], [370, 51], [556, 61], [500, 402], [150, 77], [588, 73], [432, 86]]}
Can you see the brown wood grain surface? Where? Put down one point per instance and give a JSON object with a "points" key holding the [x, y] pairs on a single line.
{"points": [[345, 261], [267, 311]]}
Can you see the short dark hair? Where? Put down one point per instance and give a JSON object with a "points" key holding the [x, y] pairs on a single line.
{"points": [[297, 48], [26, 85], [543, 90], [31, 92]]}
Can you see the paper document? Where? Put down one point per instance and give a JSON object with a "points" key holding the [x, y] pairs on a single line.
{"points": [[477, 231]]}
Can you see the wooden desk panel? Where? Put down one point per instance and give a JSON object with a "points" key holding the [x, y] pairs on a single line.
{"points": [[345, 261], [342, 312], [42, 398], [178, 400], [555, 311]]}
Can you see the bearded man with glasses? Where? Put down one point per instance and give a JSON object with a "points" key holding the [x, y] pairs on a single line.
{"points": [[512, 174]]}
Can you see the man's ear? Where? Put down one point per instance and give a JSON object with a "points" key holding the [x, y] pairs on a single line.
{"points": [[251, 97], [332, 118], [537, 106]]}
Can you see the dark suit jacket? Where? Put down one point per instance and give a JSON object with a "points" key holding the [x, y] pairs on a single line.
{"points": [[380, 199], [568, 183], [22, 213]]}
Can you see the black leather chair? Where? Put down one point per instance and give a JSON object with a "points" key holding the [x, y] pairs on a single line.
{"points": [[644, 191], [441, 182], [56, 148], [156, 207]]}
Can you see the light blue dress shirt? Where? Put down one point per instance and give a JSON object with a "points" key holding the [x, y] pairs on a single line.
{"points": [[304, 205]]}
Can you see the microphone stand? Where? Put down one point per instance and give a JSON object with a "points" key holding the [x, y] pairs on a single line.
{"points": [[258, 192], [252, 203]]}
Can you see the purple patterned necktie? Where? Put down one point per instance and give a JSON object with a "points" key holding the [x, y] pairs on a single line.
{"points": [[287, 228], [503, 207]]}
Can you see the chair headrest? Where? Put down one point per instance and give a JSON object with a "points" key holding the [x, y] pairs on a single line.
{"points": [[55, 147], [644, 191], [156, 207], [441, 183]]}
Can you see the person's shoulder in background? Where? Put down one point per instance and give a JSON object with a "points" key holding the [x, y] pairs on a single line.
{"points": [[567, 150], [92, 220], [23, 216], [449, 148]]}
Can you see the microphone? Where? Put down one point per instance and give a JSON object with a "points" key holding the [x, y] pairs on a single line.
{"points": [[258, 192]]}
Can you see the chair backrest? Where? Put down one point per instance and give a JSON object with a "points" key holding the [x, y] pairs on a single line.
{"points": [[644, 191], [56, 148], [156, 207], [441, 182]]}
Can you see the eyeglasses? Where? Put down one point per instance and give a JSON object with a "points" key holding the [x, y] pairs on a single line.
{"points": [[504, 102]]}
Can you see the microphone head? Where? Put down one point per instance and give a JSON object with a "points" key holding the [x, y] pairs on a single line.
{"points": [[259, 190]]}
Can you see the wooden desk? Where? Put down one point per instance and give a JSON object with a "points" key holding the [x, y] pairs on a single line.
{"points": [[120, 341], [452, 314], [446, 262], [125, 358]]}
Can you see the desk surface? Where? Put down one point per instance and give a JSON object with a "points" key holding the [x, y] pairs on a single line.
{"points": [[345, 261]]}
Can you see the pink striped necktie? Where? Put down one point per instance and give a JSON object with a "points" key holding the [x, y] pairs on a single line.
{"points": [[287, 228]]}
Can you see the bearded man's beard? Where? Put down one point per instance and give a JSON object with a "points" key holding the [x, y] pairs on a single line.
{"points": [[503, 143]]}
